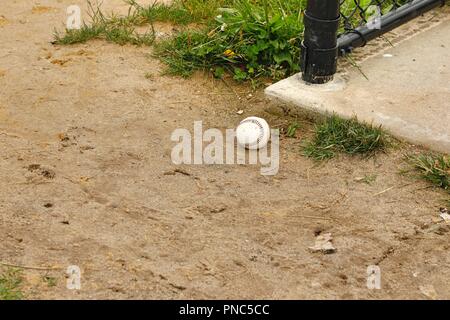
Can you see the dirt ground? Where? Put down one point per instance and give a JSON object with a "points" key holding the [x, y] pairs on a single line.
{"points": [[86, 179]]}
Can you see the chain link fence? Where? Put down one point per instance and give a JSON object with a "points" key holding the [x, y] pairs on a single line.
{"points": [[356, 13]]}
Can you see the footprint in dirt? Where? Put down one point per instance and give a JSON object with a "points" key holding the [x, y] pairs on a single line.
{"points": [[77, 137], [37, 172]]}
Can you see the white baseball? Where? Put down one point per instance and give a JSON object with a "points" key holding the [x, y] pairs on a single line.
{"points": [[253, 133]]}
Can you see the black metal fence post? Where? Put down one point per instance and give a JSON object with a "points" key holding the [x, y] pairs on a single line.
{"points": [[319, 47]]}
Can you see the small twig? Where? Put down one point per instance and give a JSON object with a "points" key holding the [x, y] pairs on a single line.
{"points": [[387, 40], [181, 171], [320, 207], [407, 184], [180, 101], [423, 188], [393, 201], [338, 200], [28, 267], [10, 135], [354, 64], [381, 192], [311, 217]]}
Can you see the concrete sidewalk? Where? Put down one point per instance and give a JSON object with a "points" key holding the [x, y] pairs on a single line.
{"points": [[408, 91]]}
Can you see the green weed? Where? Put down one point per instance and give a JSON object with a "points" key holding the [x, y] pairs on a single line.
{"points": [[367, 179], [433, 168], [292, 129], [51, 281], [247, 40], [10, 282]]}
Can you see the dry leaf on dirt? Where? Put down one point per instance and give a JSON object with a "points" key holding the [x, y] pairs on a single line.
{"points": [[429, 291], [41, 9], [3, 21], [445, 215], [323, 244]]}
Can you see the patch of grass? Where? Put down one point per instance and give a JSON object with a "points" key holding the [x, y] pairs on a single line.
{"points": [[51, 281], [165, 13], [149, 76], [180, 54], [10, 282], [120, 30], [248, 39], [348, 136], [81, 35], [367, 179], [292, 129], [433, 168], [182, 12]]}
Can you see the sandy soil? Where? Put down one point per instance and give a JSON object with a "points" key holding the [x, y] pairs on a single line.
{"points": [[86, 179]]}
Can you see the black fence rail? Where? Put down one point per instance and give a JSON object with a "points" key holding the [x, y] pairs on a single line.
{"points": [[336, 27], [357, 13]]}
